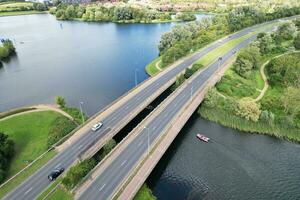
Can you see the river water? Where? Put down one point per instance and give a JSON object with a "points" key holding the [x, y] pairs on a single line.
{"points": [[96, 63]]}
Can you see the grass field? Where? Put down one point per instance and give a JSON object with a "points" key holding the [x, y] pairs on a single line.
{"points": [[60, 194], [151, 68], [30, 170], [29, 132]]}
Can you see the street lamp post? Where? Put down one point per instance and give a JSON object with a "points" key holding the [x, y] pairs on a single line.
{"points": [[192, 92], [148, 142], [135, 77], [80, 105]]}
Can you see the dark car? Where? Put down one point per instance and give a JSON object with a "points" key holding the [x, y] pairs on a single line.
{"points": [[55, 173]]}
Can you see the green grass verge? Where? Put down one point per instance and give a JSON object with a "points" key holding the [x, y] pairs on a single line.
{"points": [[25, 174], [144, 194], [14, 13], [29, 131], [61, 194], [14, 111], [151, 68]]}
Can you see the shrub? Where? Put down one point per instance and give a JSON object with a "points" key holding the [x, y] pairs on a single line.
{"points": [[61, 126], [6, 153], [77, 172], [59, 100], [248, 109]]}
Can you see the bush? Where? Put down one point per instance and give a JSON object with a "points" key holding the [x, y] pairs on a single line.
{"points": [[248, 109], [77, 172], [297, 41], [6, 153], [61, 126], [59, 100]]}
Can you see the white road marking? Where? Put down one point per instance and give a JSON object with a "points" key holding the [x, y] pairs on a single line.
{"points": [[102, 187], [123, 162], [114, 118], [140, 143], [79, 146], [28, 191], [154, 127], [57, 165]]}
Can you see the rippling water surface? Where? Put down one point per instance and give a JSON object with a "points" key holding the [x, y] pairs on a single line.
{"points": [[232, 166]]}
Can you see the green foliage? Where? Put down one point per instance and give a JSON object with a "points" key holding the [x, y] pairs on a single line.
{"points": [[284, 71], [76, 114], [60, 127], [291, 101], [106, 149], [179, 80], [77, 172], [267, 116], [101, 13], [39, 6], [6, 49], [297, 41], [211, 98], [284, 32], [6, 153], [185, 16], [59, 100], [247, 60], [144, 194], [248, 109], [266, 43]]}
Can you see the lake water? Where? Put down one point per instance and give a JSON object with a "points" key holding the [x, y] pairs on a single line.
{"points": [[95, 63]]}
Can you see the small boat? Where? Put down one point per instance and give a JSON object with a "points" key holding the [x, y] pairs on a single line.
{"points": [[202, 137]]}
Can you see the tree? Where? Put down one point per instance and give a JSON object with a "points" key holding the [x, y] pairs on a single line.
{"points": [[59, 100], [285, 32], [266, 44], [297, 41], [60, 14], [248, 59], [6, 153], [267, 116], [211, 98], [290, 100], [70, 12], [248, 109]]}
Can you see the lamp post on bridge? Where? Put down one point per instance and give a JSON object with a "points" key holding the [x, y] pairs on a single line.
{"points": [[192, 92], [80, 106], [135, 77]]}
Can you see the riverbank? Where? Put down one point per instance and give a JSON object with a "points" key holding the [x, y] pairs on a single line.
{"points": [[273, 118], [21, 8]]}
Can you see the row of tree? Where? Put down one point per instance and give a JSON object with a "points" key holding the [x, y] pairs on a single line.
{"points": [[183, 39], [100, 13], [6, 49]]}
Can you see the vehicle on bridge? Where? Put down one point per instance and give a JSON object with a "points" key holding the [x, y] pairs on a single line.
{"points": [[55, 173], [97, 126]]}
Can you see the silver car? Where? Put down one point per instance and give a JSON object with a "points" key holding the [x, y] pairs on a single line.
{"points": [[97, 126]]}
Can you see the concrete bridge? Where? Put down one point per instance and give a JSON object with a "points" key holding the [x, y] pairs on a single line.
{"points": [[85, 143], [126, 168]]}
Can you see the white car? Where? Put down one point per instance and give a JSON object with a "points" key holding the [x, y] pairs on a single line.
{"points": [[97, 126]]}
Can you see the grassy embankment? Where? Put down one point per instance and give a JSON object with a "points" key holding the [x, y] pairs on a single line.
{"points": [[17, 8], [233, 86], [29, 131]]}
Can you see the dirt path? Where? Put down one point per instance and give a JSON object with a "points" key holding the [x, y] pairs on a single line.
{"points": [[39, 108], [264, 77]]}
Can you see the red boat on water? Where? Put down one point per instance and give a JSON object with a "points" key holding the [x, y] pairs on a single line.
{"points": [[202, 137]]}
